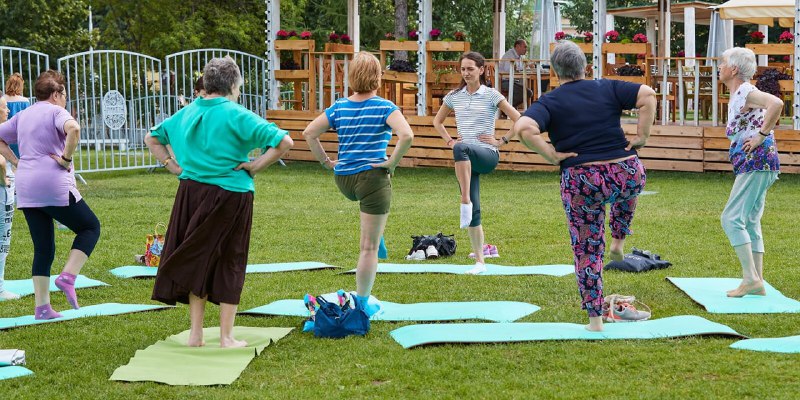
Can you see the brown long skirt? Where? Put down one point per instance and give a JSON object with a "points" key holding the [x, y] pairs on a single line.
{"points": [[206, 245]]}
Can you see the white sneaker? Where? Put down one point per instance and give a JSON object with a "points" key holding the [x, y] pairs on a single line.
{"points": [[466, 215], [431, 252], [479, 268], [6, 295], [418, 255]]}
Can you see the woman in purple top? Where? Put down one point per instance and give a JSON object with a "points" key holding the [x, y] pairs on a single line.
{"points": [[47, 136]]}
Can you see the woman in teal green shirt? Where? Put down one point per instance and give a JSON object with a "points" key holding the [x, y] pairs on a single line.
{"points": [[205, 250]]}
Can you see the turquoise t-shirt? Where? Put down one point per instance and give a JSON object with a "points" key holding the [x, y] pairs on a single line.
{"points": [[212, 137]]}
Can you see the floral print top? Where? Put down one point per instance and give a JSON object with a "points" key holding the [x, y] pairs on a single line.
{"points": [[744, 125]]}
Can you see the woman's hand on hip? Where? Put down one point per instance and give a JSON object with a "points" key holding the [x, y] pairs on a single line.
{"points": [[490, 139], [563, 156], [753, 142], [67, 165], [247, 166], [388, 165], [636, 144]]}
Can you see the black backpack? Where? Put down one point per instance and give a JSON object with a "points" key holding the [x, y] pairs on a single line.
{"points": [[444, 244]]}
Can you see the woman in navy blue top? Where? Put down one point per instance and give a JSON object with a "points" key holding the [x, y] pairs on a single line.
{"points": [[363, 124], [599, 166]]}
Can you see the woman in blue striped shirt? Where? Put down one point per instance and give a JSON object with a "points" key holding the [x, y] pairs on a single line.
{"points": [[476, 150], [363, 124]]}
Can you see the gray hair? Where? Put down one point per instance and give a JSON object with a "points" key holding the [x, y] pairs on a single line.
{"points": [[743, 59], [220, 75], [569, 61]]}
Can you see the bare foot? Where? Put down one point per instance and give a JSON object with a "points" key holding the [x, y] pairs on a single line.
{"points": [[595, 324], [745, 288], [196, 339], [231, 343], [616, 255], [591, 328]]}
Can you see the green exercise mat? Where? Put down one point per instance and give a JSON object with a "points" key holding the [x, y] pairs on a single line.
{"points": [[491, 269], [95, 310], [789, 344], [24, 287], [171, 362], [138, 271], [711, 294], [14, 372], [684, 325], [498, 311]]}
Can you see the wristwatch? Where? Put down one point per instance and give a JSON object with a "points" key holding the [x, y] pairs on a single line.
{"points": [[771, 131]]}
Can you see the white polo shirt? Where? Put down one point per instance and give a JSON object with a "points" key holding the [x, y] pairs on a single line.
{"points": [[476, 113]]}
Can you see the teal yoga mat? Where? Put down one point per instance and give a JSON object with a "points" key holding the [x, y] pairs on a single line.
{"points": [[684, 325], [24, 287], [14, 372], [138, 271], [789, 344], [88, 311], [491, 269], [497, 311], [710, 293]]}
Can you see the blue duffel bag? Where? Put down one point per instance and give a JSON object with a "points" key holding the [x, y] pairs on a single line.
{"points": [[334, 321], [639, 261]]}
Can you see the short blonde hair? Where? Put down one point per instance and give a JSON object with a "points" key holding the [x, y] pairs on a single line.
{"points": [[365, 72], [15, 85]]}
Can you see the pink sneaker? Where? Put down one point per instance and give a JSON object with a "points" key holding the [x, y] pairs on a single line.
{"points": [[486, 252], [492, 251]]}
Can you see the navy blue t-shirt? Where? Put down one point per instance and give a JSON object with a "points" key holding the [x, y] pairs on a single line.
{"points": [[583, 116]]}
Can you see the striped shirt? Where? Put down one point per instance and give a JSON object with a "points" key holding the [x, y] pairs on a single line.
{"points": [[362, 131], [476, 113]]}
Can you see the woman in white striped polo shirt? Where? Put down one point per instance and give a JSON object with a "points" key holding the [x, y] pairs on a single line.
{"points": [[475, 151]]}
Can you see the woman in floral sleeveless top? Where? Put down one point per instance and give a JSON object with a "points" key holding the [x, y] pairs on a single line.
{"points": [[752, 115]]}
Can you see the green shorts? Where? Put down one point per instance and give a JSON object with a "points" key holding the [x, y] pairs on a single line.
{"points": [[372, 188]]}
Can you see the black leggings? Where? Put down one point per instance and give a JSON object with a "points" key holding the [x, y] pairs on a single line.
{"points": [[483, 161], [77, 216]]}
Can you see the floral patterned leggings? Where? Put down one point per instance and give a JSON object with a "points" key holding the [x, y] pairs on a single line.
{"points": [[585, 191]]}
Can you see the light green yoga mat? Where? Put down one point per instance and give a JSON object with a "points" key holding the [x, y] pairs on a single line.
{"points": [[491, 269], [789, 344], [498, 311], [138, 271], [14, 372], [88, 311], [684, 325], [170, 361], [711, 294], [24, 287]]}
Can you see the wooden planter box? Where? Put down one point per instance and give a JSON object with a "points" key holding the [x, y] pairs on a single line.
{"points": [[772, 49], [447, 46], [291, 74], [445, 79], [339, 48], [394, 76], [634, 79], [294, 45], [586, 48], [394, 45], [626, 48]]}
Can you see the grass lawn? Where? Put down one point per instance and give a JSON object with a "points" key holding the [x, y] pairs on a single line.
{"points": [[300, 215]]}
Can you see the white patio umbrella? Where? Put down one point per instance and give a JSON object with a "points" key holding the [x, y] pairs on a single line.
{"points": [[763, 12]]}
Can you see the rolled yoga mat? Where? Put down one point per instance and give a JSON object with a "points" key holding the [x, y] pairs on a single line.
{"points": [[684, 325], [711, 294], [13, 372], [789, 344], [95, 310], [24, 287], [138, 271], [491, 269], [172, 362], [498, 311]]}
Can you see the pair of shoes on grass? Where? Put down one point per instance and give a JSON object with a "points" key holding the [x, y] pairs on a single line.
{"points": [[489, 251]]}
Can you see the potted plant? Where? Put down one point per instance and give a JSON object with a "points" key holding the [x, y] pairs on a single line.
{"points": [[434, 34], [560, 36], [338, 43], [755, 37], [612, 36], [786, 37], [588, 37], [459, 36], [639, 38]]}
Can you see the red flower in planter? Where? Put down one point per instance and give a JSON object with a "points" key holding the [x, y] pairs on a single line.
{"points": [[292, 34], [282, 34], [560, 36], [612, 36], [756, 37], [588, 37], [345, 38], [333, 37], [305, 35], [435, 33], [786, 37], [639, 38], [413, 35], [459, 36]]}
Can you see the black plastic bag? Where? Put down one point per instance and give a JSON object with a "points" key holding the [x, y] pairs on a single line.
{"points": [[639, 261]]}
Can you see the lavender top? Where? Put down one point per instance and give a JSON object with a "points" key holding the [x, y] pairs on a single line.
{"points": [[39, 131]]}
